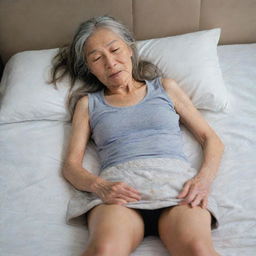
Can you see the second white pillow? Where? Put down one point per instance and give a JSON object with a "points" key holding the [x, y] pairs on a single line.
{"points": [[191, 59]]}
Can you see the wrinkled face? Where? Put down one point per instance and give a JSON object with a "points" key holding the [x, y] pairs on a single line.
{"points": [[109, 58]]}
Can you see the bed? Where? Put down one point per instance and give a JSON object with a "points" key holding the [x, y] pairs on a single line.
{"points": [[35, 127]]}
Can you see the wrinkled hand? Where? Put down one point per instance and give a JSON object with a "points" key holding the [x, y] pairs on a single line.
{"points": [[195, 192], [116, 192]]}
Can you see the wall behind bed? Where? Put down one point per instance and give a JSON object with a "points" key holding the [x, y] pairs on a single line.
{"points": [[37, 24]]}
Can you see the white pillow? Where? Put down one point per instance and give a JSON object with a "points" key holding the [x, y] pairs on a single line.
{"points": [[190, 59], [26, 94]]}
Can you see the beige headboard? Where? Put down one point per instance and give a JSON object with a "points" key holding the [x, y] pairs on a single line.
{"points": [[43, 24]]}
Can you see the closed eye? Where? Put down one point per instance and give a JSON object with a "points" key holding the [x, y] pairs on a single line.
{"points": [[114, 50], [96, 59]]}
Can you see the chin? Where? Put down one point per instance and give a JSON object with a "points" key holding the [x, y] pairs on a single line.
{"points": [[118, 83]]}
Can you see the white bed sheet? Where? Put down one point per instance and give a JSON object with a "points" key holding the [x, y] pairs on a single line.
{"points": [[34, 195]]}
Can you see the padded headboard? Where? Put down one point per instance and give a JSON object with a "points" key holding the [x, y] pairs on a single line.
{"points": [[44, 24]]}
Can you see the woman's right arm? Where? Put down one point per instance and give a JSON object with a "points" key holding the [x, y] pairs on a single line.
{"points": [[82, 179], [72, 170]]}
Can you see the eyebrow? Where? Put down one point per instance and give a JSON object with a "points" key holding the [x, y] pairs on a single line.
{"points": [[93, 51]]}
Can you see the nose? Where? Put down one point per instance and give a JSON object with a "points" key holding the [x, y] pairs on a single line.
{"points": [[110, 61]]}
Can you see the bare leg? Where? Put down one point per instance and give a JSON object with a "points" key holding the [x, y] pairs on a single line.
{"points": [[186, 231], [113, 230]]}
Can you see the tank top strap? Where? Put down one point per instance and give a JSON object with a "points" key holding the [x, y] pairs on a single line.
{"points": [[159, 91], [157, 85], [94, 101]]}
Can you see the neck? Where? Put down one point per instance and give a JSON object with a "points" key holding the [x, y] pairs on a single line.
{"points": [[127, 89]]}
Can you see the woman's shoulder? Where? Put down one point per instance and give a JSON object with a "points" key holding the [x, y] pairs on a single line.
{"points": [[83, 102], [173, 90], [168, 83], [164, 82]]}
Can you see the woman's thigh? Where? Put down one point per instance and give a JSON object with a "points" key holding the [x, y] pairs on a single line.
{"points": [[116, 225], [182, 225]]}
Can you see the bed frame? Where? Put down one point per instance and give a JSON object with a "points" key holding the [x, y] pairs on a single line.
{"points": [[37, 24]]}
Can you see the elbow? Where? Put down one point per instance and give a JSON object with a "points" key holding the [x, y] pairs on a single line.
{"points": [[66, 168], [215, 140], [220, 144], [219, 140]]}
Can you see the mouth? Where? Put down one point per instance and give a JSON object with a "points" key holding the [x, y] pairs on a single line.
{"points": [[115, 74]]}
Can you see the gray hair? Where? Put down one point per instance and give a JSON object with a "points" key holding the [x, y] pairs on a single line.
{"points": [[87, 28], [71, 59]]}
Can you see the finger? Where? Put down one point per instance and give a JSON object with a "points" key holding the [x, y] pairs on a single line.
{"points": [[183, 202], [121, 189], [127, 191], [196, 201], [123, 193], [191, 195], [204, 202], [184, 191], [132, 195], [128, 198], [118, 201], [133, 190]]}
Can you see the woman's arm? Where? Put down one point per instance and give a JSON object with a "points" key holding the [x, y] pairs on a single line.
{"points": [[72, 170], [80, 178], [195, 191]]}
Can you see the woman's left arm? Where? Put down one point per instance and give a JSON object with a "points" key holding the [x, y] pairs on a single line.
{"points": [[195, 191]]}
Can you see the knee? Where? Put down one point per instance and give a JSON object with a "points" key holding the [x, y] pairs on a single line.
{"points": [[105, 248], [199, 247]]}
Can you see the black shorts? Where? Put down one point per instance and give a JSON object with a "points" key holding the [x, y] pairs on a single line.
{"points": [[151, 218]]}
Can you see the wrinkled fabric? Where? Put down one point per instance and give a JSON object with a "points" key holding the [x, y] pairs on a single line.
{"points": [[159, 180]]}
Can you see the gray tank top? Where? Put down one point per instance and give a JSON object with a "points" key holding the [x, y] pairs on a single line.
{"points": [[148, 129]]}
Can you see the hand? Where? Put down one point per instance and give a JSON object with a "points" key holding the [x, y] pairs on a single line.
{"points": [[195, 192], [116, 192]]}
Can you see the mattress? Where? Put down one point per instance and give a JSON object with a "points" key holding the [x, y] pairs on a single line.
{"points": [[34, 195]]}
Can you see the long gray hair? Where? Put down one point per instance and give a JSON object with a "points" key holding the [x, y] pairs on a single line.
{"points": [[70, 60]]}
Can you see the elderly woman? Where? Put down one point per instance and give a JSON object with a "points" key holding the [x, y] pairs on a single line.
{"points": [[146, 185]]}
